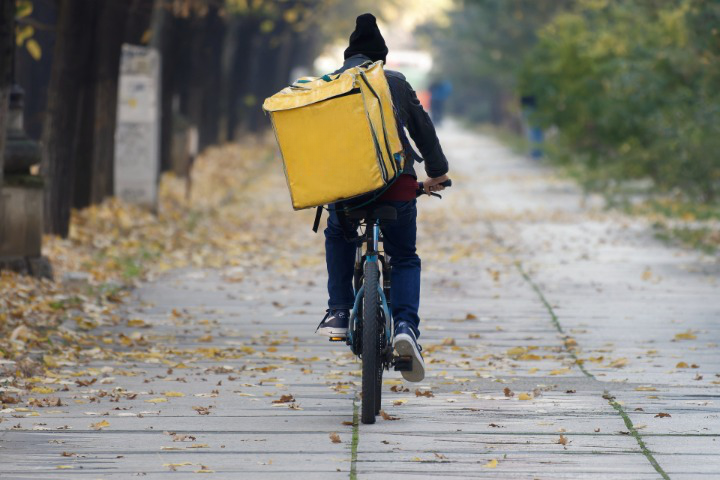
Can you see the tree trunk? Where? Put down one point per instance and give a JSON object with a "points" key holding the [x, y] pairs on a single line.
{"points": [[7, 46], [65, 102], [163, 27], [110, 33], [209, 127]]}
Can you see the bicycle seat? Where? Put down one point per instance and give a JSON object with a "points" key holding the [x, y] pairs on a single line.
{"points": [[382, 212]]}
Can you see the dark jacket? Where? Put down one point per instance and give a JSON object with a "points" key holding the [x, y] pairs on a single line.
{"points": [[411, 115]]}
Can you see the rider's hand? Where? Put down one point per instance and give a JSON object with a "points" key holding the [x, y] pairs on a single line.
{"points": [[433, 184]]}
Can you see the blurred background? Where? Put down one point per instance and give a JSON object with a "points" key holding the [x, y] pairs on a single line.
{"points": [[99, 97]]}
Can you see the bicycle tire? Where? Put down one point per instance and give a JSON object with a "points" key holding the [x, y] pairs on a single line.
{"points": [[381, 349], [371, 364]]}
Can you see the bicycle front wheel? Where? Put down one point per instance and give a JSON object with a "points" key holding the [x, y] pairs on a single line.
{"points": [[371, 364]]}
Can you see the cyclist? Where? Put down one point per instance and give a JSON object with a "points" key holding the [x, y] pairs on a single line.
{"points": [[367, 43]]}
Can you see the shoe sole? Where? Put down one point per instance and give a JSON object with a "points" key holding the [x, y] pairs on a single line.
{"points": [[405, 347], [332, 332]]}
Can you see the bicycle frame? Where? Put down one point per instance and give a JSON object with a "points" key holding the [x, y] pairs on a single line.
{"points": [[372, 254]]}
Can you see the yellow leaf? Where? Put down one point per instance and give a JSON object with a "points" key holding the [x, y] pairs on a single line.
{"points": [[682, 365], [99, 425], [23, 9], [561, 371], [199, 445], [64, 467], [491, 464], [645, 389], [50, 361], [174, 394], [515, 351], [156, 400], [530, 357], [42, 390], [23, 33], [146, 37], [392, 381], [33, 48], [172, 465], [619, 363], [685, 336], [137, 323], [524, 396]]}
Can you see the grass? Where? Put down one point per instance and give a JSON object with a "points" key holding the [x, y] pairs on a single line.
{"points": [[704, 239]]}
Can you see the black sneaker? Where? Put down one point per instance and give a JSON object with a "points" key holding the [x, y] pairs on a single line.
{"points": [[406, 345], [335, 324]]}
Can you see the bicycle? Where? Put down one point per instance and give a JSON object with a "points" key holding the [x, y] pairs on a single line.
{"points": [[371, 329]]}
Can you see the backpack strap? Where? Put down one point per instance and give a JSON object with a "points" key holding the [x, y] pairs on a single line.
{"points": [[318, 214]]}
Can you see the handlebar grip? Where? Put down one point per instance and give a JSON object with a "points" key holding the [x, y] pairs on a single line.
{"points": [[447, 183]]}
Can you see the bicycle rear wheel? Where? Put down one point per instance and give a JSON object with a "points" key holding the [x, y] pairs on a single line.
{"points": [[371, 362]]}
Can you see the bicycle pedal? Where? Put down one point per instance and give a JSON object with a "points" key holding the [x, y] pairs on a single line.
{"points": [[403, 364], [338, 339]]}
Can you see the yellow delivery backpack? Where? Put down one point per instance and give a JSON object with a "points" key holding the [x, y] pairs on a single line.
{"points": [[337, 135]]}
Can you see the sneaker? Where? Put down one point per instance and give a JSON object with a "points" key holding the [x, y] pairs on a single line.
{"points": [[335, 324], [405, 345]]}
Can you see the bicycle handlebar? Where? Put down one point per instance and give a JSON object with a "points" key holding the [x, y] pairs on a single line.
{"points": [[421, 188]]}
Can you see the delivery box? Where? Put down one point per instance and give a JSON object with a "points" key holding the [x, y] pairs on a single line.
{"points": [[337, 135]]}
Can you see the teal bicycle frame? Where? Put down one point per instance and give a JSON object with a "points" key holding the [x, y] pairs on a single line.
{"points": [[373, 255]]}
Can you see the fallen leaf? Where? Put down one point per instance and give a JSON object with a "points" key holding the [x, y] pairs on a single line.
{"points": [[491, 464], [685, 336], [515, 351], [156, 400], [42, 390], [423, 393], [662, 415], [508, 392], [285, 399], [562, 440], [387, 416], [174, 394], [524, 396], [335, 438], [100, 425], [619, 363]]}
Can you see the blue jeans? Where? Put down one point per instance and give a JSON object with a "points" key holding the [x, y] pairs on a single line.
{"points": [[399, 244]]}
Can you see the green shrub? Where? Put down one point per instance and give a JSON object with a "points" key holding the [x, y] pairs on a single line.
{"points": [[632, 88]]}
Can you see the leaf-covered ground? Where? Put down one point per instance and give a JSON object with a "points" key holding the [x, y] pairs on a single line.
{"points": [[561, 340], [114, 245]]}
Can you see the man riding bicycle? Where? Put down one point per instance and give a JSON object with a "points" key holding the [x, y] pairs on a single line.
{"points": [[368, 44]]}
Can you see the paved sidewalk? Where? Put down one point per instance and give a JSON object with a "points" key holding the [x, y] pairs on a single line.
{"points": [[562, 342]]}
